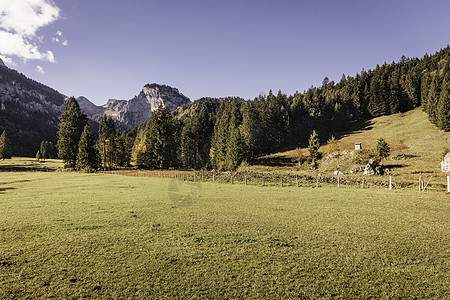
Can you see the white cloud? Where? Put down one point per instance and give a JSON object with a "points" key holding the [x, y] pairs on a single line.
{"points": [[55, 39], [19, 22], [13, 44], [25, 17], [59, 33], [40, 69], [65, 43]]}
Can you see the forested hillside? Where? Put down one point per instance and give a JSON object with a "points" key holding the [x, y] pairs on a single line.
{"points": [[206, 135], [271, 123]]}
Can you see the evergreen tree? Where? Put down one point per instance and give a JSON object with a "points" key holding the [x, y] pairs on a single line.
{"points": [[220, 138], [107, 142], [235, 150], [71, 127], [160, 142], [205, 132], [443, 107], [313, 147], [383, 149], [196, 140], [5, 146], [433, 99], [87, 158], [39, 156]]}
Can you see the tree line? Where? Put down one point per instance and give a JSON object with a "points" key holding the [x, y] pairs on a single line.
{"points": [[207, 137]]}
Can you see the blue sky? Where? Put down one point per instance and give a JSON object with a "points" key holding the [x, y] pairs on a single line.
{"points": [[109, 49]]}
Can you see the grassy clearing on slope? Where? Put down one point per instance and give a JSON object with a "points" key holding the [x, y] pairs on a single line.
{"points": [[110, 236], [416, 149]]}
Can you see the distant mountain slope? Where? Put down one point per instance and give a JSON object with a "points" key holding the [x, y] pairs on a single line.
{"points": [[29, 111]]}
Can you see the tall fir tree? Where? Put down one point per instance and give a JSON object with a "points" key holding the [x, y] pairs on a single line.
{"points": [[160, 141], [87, 157], [443, 107], [313, 147], [228, 144], [71, 127], [433, 98], [107, 143], [220, 137], [235, 150], [5, 146], [383, 149]]}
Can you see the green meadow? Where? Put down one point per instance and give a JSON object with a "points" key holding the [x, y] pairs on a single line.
{"points": [[78, 235]]}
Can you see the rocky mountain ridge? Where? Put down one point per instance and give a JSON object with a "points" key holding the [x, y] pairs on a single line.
{"points": [[29, 110], [137, 110]]}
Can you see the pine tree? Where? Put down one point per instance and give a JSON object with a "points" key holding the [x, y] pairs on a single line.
{"points": [[160, 142], [220, 137], [383, 149], [235, 150], [87, 158], [443, 107], [39, 156], [71, 127], [433, 98], [313, 147], [5, 146], [107, 142]]}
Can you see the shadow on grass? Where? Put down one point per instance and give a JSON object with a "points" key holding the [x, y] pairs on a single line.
{"points": [[18, 168], [392, 167], [277, 161], [3, 190], [354, 128]]}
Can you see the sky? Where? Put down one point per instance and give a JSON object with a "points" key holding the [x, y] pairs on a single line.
{"points": [[109, 49]]}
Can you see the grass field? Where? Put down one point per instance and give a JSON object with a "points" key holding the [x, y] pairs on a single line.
{"points": [[75, 235]]}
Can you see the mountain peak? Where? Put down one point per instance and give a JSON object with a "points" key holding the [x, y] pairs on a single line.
{"points": [[2, 63]]}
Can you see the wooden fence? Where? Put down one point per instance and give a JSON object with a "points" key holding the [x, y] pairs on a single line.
{"points": [[281, 180]]}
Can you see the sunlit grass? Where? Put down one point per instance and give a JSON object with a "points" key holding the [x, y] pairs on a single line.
{"points": [[71, 235]]}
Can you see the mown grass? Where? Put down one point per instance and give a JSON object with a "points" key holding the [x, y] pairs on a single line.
{"points": [[75, 235]]}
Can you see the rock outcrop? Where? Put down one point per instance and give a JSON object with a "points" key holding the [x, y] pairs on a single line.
{"points": [[139, 109], [136, 111], [372, 168]]}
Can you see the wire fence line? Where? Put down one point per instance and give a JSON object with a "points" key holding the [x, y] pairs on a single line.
{"points": [[274, 179]]}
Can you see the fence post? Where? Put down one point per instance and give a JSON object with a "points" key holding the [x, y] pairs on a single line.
{"points": [[245, 179], [263, 181], [296, 180], [390, 182], [448, 184], [362, 184], [317, 181], [213, 178], [231, 178], [339, 181]]}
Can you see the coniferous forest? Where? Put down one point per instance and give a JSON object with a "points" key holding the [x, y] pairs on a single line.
{"points": [[221, 134]]}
